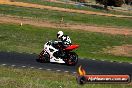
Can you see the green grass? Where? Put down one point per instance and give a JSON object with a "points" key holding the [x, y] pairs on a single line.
{"points": [[30, 39], [28, 78], [89, 8], [68, 17]]}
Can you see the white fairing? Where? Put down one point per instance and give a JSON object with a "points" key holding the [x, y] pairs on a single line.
{"points": [[52, 58]]}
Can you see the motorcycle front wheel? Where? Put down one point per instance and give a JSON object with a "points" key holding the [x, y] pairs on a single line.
{"points": [[44, 57], [73, 59]]}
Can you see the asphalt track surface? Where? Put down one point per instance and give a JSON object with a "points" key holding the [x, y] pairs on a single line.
{"points": [[90, 66]]}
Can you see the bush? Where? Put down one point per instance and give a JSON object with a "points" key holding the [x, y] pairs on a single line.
{"points": [[81, 1], [116, 3]]}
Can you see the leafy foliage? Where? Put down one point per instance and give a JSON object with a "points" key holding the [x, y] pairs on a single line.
{"points": [[129, 2], [116, 3]]}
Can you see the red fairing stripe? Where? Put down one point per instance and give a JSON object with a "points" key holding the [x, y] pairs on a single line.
{"points": [[72, 47]]}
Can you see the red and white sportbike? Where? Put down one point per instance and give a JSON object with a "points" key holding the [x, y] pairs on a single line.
{"points": [[53, 52]]}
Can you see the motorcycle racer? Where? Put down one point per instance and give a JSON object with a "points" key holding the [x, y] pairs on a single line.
{"points": [[65, 39], [59, 51], [63, 42]]}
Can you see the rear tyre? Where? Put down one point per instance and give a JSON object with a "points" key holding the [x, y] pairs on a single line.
{"points": [[44, 57], [73, 59]]}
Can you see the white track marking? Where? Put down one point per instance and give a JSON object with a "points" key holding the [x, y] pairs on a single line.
{"points": [[13, 65], [111, 61], [66, 71], [93, 59], [23, 66], [58, 70], [31, 67], [120, 62], [74, 72], [4, 64], [40, 68], [48, 69], [102, 60]]}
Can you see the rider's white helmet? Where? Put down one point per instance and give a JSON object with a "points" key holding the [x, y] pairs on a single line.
{"points": [[59, 34]]}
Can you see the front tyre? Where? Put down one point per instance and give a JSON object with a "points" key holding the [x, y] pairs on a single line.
{"points": [[73, 59], [44, 57]]}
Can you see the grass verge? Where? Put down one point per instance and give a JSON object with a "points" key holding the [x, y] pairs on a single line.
{"points": [[56, 16], [30, 39], [28, 78]]}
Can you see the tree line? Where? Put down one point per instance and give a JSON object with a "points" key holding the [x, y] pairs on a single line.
{"points": [[115, 3]]}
